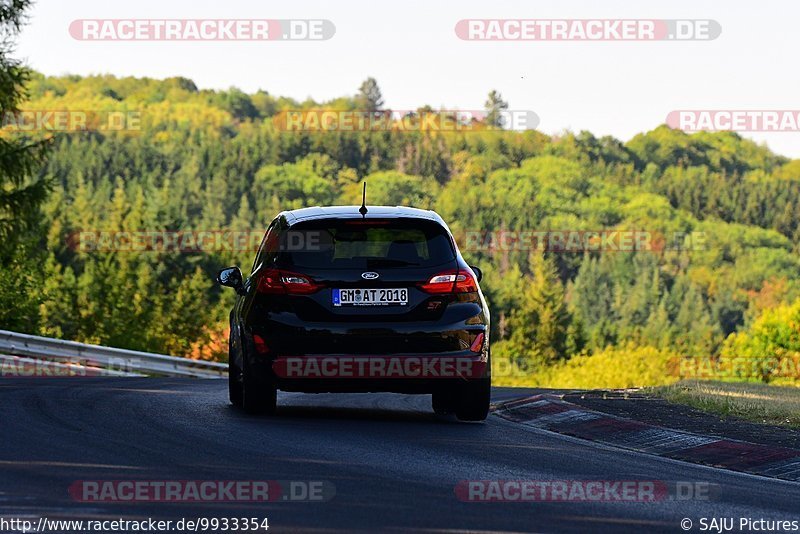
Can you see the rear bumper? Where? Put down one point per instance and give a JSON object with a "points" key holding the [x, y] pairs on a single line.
{"points": [[372, 356], [286, 334]]}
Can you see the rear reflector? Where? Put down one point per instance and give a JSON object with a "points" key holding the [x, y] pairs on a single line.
{"points": [[477, 345]]}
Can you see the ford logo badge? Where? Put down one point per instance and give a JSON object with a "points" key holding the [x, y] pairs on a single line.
{"points": [[369, 275]]}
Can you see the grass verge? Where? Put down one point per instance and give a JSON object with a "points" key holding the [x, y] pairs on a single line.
{"points": [[760, 403]]}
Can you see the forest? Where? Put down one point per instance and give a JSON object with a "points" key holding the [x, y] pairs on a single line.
{"points": [[718, 297]]}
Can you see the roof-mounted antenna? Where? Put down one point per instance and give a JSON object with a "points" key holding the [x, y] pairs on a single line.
{"points": [[363, 209]]}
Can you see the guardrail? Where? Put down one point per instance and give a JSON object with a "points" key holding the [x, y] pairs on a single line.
{"points": [[119, 361]]}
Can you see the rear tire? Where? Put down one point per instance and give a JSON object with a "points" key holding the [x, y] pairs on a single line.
{"points": [[259, 397], [259, 393], [234, 378], [474, 399], [442, 402]]}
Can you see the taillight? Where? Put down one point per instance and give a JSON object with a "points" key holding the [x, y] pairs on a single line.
{"points": [[274, 281], [451, 282], [465, 283], [261, 345]]}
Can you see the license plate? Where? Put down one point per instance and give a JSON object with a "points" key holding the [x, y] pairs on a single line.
{"points": [[370, 297]]}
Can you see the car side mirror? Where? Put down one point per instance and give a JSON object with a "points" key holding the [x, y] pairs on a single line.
{"points": [[478, 272], [231, 277]]}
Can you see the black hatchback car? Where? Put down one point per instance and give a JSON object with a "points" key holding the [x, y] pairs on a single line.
{"points": [[344, 301]]}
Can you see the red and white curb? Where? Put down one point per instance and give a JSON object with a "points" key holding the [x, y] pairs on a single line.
{"points": [[550, 412]]}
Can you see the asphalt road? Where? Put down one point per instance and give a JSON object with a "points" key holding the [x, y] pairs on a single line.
{"points": [[394, 464]]}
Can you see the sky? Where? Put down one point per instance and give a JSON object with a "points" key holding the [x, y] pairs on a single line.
{"points": [[411, 48]]}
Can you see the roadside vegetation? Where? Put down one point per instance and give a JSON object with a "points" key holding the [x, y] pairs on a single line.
{"points": [[760, 403], [614, 368], [718, 298]]}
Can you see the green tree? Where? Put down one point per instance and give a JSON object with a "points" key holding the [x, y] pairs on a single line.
{"points": [[658, 331], [21, 191], [495, 105], [369, 96], [695, 331], [592, 303], [391, 188], [239, 104], [768, 349], [539, 326]]}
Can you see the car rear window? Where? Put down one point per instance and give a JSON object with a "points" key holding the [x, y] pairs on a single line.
{"points": [[365, 244]]}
